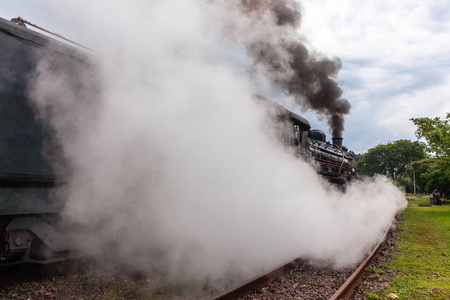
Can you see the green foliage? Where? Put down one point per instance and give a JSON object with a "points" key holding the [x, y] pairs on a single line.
{"points": [[355, 155], [111, 295], [371, 296], [404, 160], [422, 265], [421, 169], [437, 134], [406, 182], [391, 159], [374, 270], [89, 281], [434, 173]]}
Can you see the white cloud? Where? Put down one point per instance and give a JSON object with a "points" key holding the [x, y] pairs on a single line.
{"points": [[388, 119], [395, 59]]}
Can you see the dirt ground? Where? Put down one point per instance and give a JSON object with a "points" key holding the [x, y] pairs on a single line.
{"points": [[99, 283]]}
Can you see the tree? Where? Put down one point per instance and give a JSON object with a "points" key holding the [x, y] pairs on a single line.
{"points": [[434, 173], [391, 159], [429, 175], [437, 134]]}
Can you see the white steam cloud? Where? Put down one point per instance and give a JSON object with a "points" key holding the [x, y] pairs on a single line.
{"points": [[170, 153]]}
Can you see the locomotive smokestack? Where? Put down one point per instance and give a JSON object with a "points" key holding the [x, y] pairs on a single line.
{"points": [[337, 141]]}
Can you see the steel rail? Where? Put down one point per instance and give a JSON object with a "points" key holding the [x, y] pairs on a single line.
{"points": [[248, 287], [343, 293], [348, 288]]}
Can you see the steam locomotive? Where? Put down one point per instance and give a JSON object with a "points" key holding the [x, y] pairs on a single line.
{"points": [[31, 228], [332, 160]]}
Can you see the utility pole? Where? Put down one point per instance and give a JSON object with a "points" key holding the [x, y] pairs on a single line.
{"points": [[414, 179]]}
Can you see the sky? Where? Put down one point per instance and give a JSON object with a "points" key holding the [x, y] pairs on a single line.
{"points": [[395, 60]]}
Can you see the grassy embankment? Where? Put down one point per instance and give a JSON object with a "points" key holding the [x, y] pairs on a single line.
{"points": [[423, 261]]}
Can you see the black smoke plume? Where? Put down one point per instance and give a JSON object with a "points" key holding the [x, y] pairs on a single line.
{"points": [[280, 52]]}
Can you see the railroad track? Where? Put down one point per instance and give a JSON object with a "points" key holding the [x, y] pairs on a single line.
{"points": [[261, 284], [296, 279]]}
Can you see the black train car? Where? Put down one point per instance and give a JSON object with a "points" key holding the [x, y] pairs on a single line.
{"points": [[332, 160], [30, 227]]}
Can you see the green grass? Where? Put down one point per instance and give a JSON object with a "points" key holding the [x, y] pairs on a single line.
{"points": [[423, 261], [374, 270], [371, 296]]}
